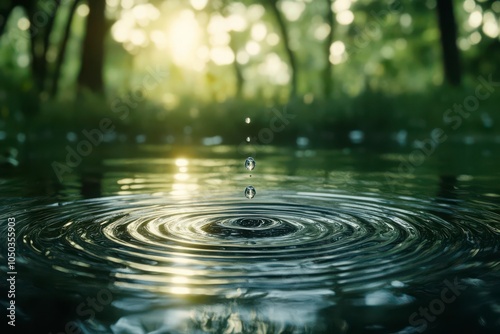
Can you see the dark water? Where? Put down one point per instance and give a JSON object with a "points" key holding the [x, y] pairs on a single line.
{"points": [[333, 242]]}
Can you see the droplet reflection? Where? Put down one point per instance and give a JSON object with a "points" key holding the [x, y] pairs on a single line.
{"points": [[250, 163], [250, 192]]}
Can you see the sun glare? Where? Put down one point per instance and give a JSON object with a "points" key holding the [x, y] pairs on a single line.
{"points": [[184, 37]]}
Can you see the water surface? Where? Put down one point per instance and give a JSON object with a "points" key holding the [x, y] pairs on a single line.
{"points": [[333, 242]]}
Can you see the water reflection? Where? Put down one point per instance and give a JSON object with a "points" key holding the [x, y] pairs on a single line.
{"points": [[315, 251], [91, 184], [324, 249], [229, 317]]}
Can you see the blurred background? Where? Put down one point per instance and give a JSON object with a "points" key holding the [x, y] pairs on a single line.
{"points": [[383, 76], [342, 64]]}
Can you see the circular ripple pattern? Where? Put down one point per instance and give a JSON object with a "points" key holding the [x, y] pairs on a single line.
{"points": [[297, 241]]}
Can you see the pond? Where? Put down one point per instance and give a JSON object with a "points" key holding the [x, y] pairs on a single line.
{"points": [[158, 239]]}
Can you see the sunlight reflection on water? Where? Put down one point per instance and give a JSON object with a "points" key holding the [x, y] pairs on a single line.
{"points": [[319, 250]]}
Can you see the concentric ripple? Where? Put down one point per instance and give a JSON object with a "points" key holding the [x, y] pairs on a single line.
{"points": [[324, 242]]}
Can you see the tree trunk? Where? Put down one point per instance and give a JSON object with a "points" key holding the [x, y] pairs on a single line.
{"points": [[237, 68], [448, 29], [45, 46], [40, 38], [36, 47], [239, 79], [62, 51], [327, 71], [91, 70], [286, 44]]}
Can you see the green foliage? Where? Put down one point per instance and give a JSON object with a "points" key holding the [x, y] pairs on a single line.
{"points": [[325, 122], [392, 81]]}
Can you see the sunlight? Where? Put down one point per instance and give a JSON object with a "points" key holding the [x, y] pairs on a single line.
{"points": [[272, 39], [184, 38], [236, 22], [203, 53], [82, 10], [337, 53], [220, 39], [180, 290], [242, 57], [322, 31], [475, 19], [275, 69], [475, 38], [179, 280], [341, 5], [337, 48], [463, 44], [123, 29], [159, 39], [138, 37], [259, 31], [182, 177], [292, 10], [144, 14], [181, 162], [120, 31], [222, 55], [127, 4], [252, 48], [345, 17], [255, 12], [112, 3], [198, 4], [23, 23], [490, 26], [469, 5]]}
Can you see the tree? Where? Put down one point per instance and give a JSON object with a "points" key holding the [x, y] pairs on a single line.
{"points": [[286, 44], [91, 70], [327, 71], [222, 7], [448, 28], [42, 17], [62, 50], [240, 80]]}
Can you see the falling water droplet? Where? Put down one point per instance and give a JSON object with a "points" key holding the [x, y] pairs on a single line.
{"points": [[247, 120], [250, 163], [250, 192], [248, 139]]}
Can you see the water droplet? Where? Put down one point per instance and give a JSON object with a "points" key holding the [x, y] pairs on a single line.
{"points": [[250, 163], [248, 120], [250, 192], [248, 139]]}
